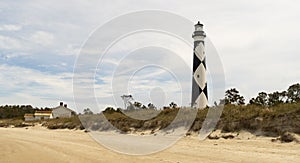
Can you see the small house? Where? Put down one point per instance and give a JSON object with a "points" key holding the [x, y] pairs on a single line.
{"points": [[29, 117], [62, 111]]}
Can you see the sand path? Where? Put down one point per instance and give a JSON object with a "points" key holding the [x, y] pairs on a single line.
{"points": [[42, 145]]}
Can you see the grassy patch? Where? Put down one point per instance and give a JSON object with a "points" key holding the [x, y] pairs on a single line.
{"points": [[63, 123]]}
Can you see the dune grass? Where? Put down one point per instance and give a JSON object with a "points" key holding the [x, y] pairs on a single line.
{"points": [[269, 121]]}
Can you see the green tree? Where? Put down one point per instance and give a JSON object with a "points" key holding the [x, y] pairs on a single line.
{"points": [[293, 93], [137, 104], [232, 96], [109, 110], [261, 99], [173, 105], [151, 106], [87, 111], [276, 98]]}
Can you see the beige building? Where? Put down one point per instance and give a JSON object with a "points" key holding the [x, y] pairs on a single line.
{"points": [[43, 115]]}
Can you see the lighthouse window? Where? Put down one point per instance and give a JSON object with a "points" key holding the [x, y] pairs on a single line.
{"points": [[198, 76]]}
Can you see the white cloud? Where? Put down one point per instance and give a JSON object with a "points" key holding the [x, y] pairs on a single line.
{"points": [[21, 85], [10, 27], [42, 38], [9, 43], [70, 50]]}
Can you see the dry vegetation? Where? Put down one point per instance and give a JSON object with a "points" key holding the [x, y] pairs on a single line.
{"points": [[273, 121], [264, 121]]}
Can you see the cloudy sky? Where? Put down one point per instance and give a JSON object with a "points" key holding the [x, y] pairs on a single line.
{"points": [[257, 42]]}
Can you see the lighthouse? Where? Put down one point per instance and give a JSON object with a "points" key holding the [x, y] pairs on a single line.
{"points": [[199, 83]]}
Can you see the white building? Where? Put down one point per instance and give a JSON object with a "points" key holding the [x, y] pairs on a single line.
{"points": [[29, 117], [62, 111]]}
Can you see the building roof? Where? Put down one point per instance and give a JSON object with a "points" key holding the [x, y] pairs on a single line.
{"points": [[29, 115], [44, 111], [63, 108]]}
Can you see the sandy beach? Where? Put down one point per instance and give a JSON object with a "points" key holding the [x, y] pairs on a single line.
{"points": [[37, 144]]}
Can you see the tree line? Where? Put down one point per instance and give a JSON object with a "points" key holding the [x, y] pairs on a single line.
{"points": [[291, 95], [17, 111], [233, 97]]}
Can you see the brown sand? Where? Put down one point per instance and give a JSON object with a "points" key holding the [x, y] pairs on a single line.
{"points": [[37, 144]]}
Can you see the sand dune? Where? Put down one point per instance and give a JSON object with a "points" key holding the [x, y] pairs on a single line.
{"points": [[37, 144]]}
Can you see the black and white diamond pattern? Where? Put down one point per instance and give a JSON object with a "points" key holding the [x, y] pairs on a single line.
{"points": [[199, 85]]}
